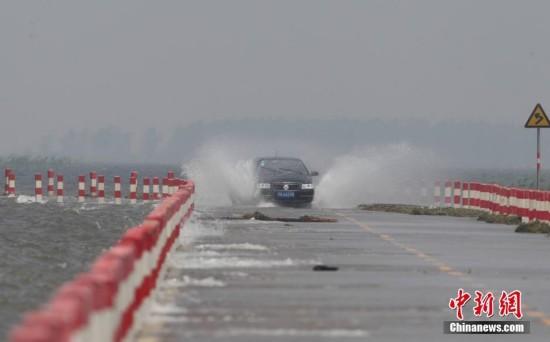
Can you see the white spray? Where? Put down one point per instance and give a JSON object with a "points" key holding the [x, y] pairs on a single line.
{"points": [[397, 173]]}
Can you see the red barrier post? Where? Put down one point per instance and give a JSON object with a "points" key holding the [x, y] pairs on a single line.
{"points": [[81, 188], [133, 190], [466, 195], [165, 189], [100, 188], [7, 172], [146, 185], [448, 193], [156, 189], [118, 190], [11, 184], [60, 189], [457, 189], [51, 178], [93, 184], [38, 187]]}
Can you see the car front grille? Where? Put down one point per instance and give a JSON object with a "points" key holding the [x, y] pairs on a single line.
{"points": [[280, 186]]}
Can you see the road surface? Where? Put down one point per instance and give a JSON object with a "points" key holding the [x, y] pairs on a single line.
{"points": [[246, 280]]}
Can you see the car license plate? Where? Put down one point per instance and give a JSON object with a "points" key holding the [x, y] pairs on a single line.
{"points": [[285, 194]]}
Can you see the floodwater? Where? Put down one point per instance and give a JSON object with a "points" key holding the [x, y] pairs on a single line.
{"points": [[43, 245]]}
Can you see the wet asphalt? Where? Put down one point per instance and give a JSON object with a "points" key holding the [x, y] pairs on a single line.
{"points": [[246, 280]]}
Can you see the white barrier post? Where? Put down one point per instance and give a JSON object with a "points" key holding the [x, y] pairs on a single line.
{"points": [[7, 172], [38, 187], [51, 177], [171, 182], [133, 190], [93, 184], [60, 188], [100, 189], [466, 195], [81, 188], [448, 193], [156, 188], [11, 184], [118, 193], [165, 189], [145, 194], [457, 194]]}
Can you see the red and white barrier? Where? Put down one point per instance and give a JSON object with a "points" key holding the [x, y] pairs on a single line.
{"points": [[448, 193], [118, 190], [97, 187], [11, 184], [60, 189], [133, 190], [110, 301], [93, 184], [38, 187], [7, 172], [171, 182], [156, 189], [146, 188], [81, 188], [457, 193], [528, 204], [100, 189], [51, 179], [465, 195]]}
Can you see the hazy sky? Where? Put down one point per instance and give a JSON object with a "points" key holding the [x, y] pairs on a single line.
{"points": [[139, 64]]}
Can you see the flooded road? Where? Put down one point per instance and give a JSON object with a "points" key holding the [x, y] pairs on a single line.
{"points": [[248, 280]]}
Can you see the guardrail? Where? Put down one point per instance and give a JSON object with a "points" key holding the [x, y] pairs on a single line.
{"points": [[528, 204], [111, 299]]}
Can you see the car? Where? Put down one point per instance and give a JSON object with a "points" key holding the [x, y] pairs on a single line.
{"points": [[284, 180]]}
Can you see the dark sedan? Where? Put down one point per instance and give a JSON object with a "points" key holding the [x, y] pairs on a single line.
{"points": [[284, 181]]}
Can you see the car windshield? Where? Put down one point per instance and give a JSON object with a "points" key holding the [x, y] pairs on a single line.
{"points": [[278, 166]]}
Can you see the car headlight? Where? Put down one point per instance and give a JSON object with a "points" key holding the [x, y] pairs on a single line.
{"points": [[264, 186], [307, 186]]}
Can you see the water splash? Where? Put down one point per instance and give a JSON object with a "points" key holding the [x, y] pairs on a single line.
{"points": [[398, 173]]}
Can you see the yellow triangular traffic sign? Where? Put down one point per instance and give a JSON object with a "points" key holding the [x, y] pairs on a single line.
{"points": [[538, 118]]}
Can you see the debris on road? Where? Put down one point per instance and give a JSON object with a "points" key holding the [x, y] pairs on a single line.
{"points": [[262, 217], [412, 209], [453, 212], [533, 227], [503, 219]]}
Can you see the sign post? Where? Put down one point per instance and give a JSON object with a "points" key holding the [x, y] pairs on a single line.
{"points": [[538, 120]]}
